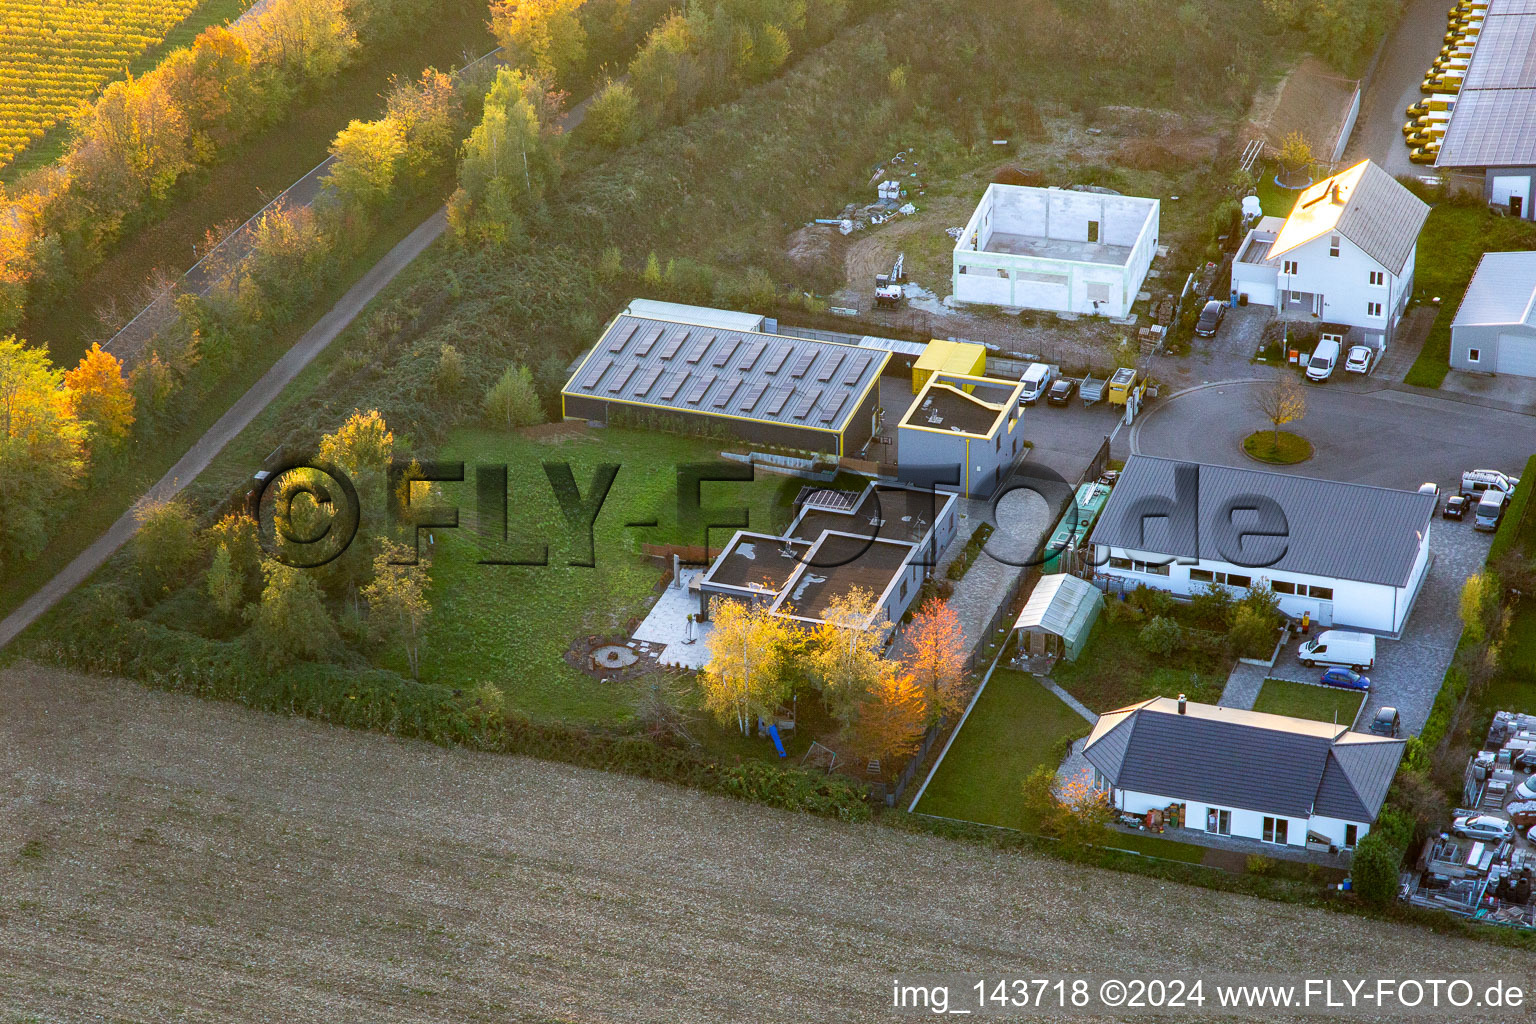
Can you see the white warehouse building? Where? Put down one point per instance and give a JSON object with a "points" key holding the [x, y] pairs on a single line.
{"points": [[1056, 249], [1181, 527]]}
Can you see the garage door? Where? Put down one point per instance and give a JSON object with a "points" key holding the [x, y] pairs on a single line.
{"points": [[1517, 355]]}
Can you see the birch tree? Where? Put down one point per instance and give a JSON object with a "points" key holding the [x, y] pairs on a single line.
{"points": [[747, 673]]}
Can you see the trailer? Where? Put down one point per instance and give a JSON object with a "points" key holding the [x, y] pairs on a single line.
{"points": [[1092, 389], [1120, 385]]}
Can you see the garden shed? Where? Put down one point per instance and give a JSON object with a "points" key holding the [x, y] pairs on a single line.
{"points": [[1058, 616]]}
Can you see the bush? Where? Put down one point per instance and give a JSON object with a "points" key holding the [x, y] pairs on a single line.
{"points": [[1161, 636], [1212, 607], [1374, 869], [1258, 864], [1152, 603]]}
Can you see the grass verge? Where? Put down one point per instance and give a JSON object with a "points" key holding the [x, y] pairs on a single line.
{"points": [[1116, 670], [1303, 700], [1282, 449]]}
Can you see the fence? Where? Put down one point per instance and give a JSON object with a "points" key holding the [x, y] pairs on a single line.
{"points": [[129, 341], [893, 793]]}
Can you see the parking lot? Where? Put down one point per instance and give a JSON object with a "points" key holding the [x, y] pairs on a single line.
{"points": [[1408, 672]]}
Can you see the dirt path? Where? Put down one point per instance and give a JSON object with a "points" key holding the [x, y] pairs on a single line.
{"points": [[165, 857]]}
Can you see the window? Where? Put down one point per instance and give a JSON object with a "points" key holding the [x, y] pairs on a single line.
{"points": [[1218, 821], [1133, 565], [1093, 231], [1333, 246], [1378, 277], [1473, 355], [1282, 587], [997, 443], [1373, 309], [1295, 296], [1290, 268], [1275, 830], [1201, 576], [1323, 593], [1230, 579], [1119, 563], [1351, 835], [903, 588], [1236, 580]]}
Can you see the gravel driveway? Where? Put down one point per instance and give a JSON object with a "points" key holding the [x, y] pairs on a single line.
{"points": [[169, 858], [1409, 671]]}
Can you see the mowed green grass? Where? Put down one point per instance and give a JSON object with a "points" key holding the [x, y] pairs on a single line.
{"points": [[1301, 700], [1016, 726], [1116, 670], [1453, 241], [511, 625]]}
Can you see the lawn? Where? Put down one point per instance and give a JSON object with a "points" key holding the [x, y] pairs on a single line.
{"points": [[1287, 451], [1016, 726], [512, 624], [1116, 670], [1454, 239], [1303, 700]]}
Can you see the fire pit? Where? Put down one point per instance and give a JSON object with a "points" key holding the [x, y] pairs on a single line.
{"points": [[613, 657]]}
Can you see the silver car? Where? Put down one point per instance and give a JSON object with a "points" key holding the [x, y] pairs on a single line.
{"points": [[1485, 827], [1358, 360]]}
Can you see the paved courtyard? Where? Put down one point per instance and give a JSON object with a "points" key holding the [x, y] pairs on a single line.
{"points": [[1408, 672]]}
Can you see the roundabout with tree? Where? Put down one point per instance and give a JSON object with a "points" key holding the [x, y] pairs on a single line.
{"points": [[1280, 401]]}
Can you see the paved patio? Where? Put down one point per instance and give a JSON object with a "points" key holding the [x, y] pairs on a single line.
{"points": [[667, 625]]}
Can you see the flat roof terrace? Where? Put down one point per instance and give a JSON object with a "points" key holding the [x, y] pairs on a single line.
{"points": [[890, 513], [1058, 249], [837, 564], [758, 561]]}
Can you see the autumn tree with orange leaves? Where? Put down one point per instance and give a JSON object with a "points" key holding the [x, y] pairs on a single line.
{"points": [[890, 721], [99, 393], [935, 658]]}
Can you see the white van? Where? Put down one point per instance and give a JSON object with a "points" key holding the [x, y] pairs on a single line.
{"points": [[1490, 509], [1337, 647], [1036, 380], [1324, 358], [1476, 481]]}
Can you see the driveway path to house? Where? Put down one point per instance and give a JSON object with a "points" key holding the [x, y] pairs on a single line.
{"points": [[173, 858], [1410, 49]]}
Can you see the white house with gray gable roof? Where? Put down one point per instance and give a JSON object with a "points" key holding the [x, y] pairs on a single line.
{"points": [[1346, 554], [1246, 774]]}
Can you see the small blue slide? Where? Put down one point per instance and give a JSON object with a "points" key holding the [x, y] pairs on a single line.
{"points": [[778, 744]]}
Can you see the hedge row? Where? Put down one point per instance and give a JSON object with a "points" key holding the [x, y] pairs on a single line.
{"points": [[384, 701], [1514, 528]]}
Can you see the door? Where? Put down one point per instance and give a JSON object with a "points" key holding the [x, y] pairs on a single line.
{"points": [[1517, 355]]}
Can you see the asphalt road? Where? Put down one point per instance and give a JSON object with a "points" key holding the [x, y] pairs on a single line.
{"points": [[1387, 438], [169, 858], [1413, 44]]}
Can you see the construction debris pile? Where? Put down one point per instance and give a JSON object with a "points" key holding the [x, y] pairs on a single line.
{"points": [[894, 180], [1488, 874]]}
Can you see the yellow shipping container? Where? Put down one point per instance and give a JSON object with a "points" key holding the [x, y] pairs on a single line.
{"points": [[949, 357]]}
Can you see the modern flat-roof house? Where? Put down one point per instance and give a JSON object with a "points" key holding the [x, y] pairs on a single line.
{"points": [[1056, 249], [961, 433], [1272, 778], [1495, 327], [1346, 554], [1345, 254], [1492, 128], [729, 370], [884, 539]]}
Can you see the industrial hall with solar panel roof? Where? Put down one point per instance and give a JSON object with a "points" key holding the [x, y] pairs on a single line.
{"points": [[790, 392]]}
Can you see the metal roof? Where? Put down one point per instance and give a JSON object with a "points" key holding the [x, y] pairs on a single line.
{"points": [[1502, 291], [715, 371], [1060, 604], [1244, 759], [704, 316], [1366, 205], [1493, 123], [1336, 530]]}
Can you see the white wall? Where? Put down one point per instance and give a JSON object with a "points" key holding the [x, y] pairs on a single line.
{"points": [[1343, 281], [1246, 824], [1360, 605]]}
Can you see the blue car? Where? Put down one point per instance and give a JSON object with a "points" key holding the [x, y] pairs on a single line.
{"points": [[1346, 678]]}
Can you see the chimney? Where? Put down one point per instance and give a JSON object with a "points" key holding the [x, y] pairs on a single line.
{"points": [[1182, 703], [1337, 198]]}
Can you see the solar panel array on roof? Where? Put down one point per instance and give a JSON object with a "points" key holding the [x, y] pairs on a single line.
{"points": [[596, 373], [661, 363], [754, 392], [726, 349], [829, 366], [621, 338], [674, 385], [674, 343], [726, 391], [621, 378], [700, 348], [1493, 123], [749, 358], [647, 340], [647, 380]]}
